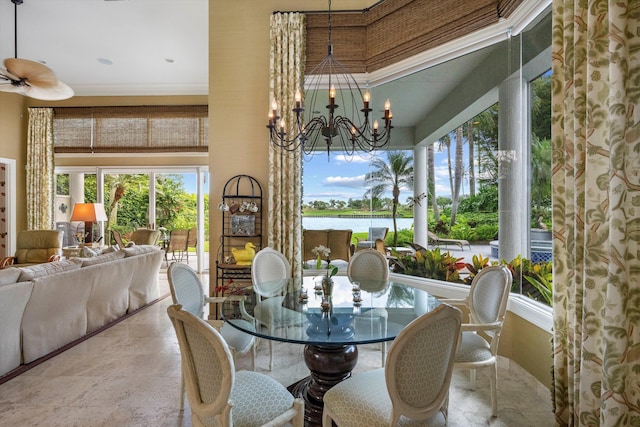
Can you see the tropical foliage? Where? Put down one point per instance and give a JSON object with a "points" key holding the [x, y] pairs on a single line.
{"points": [[534, 280]]}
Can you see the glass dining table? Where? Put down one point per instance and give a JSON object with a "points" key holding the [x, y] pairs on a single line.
{"points": [[331, 328]]}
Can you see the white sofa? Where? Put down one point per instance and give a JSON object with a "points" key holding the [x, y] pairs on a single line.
{"points": [[46, 306]]}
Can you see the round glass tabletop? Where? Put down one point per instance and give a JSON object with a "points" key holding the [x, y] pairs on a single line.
{"points": [[296, 311]]}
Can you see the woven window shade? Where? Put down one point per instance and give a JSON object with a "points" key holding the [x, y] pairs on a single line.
{"points": [[396, 30], [131, 129]]}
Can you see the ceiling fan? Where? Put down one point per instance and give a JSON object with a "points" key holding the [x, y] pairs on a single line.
{"points": [[31, 78]]}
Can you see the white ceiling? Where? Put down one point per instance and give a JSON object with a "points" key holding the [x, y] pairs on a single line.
{"points": [[156, 47]]}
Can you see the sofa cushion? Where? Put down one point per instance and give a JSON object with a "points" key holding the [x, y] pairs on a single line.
{"points": [[139, 249], [340, 243], [102, 258], [13, 301], [9, 275], [48, 268]]}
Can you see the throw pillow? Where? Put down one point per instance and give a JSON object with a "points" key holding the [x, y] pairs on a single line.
{"points": [[33, 271], [88, 252]]}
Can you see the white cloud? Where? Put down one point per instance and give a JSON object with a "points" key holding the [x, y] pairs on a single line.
{"points": [[345, 181], [342, 158]]}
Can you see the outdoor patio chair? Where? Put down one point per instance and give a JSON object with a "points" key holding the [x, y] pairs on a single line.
{"points": [[144, 236], [177, 245], [437, 241], [192, 240], [374, 233], [118, 238]]}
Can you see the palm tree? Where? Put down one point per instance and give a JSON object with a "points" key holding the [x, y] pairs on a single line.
{"points": [[457, 175], [393, 175], [472, 171], [431, 184]]}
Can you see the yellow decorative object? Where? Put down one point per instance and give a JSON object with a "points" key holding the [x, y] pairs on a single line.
{"points": [[244, 256]]}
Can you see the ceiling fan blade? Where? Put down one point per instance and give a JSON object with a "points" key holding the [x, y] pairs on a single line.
{"points": [[34, 80], [56, 93], [35, 73]]}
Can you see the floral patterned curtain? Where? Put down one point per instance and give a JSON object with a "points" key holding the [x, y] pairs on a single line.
{"points": [[39, 169], [285, 168], [596, 211]]}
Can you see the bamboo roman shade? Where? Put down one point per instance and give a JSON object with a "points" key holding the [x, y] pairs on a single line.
{"points": [[136, 129], [391, 31]]}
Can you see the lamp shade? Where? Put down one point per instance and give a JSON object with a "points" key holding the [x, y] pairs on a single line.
{"points": [[88, 212]]}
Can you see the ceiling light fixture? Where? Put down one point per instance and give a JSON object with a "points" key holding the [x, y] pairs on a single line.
{"points": [[352, 128], [30, 78]]}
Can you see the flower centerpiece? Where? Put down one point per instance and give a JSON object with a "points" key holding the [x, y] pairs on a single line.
{"points": [[321, 252], [327, 280]]}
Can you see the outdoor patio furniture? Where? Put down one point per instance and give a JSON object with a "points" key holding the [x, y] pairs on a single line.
{"points": [[374, 234], [437, 241]]}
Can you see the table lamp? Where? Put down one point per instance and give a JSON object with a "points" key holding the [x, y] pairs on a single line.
{"points": [[89, 213]]}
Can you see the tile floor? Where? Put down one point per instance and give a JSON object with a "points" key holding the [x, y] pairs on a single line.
{"points": [[129, 375]]}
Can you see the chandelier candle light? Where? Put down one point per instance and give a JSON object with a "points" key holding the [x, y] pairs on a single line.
{"points": [[352, 128]]}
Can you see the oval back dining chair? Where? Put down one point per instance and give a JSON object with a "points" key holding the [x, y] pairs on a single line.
{"points": [[371, 269], [487, 305], [220, 396], [270, 274], [186, 290], [414, 384]]}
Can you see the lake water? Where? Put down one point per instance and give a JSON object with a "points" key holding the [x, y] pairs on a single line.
{"points": [[358, 225]]}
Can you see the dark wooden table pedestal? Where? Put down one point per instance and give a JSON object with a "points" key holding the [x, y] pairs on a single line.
{"points": [[328, 366]]}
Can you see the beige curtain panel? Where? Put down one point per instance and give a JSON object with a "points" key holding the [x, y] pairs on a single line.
{"points": [[285, 168], [39, 169], [596, 202]]}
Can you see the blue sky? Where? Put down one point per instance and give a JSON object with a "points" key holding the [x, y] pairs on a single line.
{"points": [[341, 178]]}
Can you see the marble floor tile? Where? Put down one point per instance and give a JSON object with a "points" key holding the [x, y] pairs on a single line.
{"points": [[129, 375]]}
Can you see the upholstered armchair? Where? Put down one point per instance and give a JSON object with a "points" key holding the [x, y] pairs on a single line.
{"points": [[35, 247], [143, 236]]}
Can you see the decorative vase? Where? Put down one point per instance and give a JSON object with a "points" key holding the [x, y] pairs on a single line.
{"points": [[327, 286]]}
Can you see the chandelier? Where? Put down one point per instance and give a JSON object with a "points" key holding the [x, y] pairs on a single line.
{"points": [[347, 121]]}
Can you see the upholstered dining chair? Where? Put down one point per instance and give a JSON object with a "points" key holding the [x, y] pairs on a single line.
{"points": [[371, 269], [487, 305], [414, 384], [186, 290], [270, 272], [220, 396]]}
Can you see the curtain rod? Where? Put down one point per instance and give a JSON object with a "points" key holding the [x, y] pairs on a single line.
{"points": [[317, 12]]}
